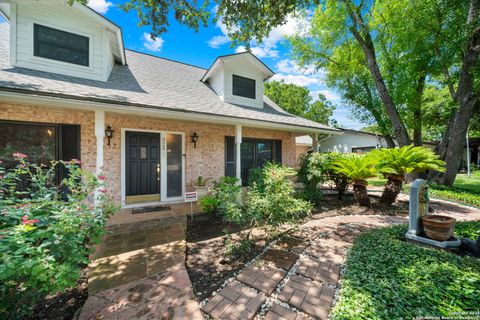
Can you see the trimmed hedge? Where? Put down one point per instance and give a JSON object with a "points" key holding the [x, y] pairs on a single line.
{"points": [[388, 278]]}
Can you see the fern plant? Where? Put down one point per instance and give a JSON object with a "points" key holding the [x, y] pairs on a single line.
{"points": [[395, 163], [358, 168]]}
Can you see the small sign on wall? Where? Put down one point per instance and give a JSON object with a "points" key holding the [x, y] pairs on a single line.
{"points": [[190, 196]]}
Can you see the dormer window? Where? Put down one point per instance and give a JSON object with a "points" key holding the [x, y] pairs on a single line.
{"points": [[60, 45], [243, 87]]}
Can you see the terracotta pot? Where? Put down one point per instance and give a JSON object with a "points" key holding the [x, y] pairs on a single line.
{"points": [[438, 227]]}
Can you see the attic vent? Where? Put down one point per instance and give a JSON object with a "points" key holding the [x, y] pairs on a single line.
{"points": [[243, 87], [60, 45]]}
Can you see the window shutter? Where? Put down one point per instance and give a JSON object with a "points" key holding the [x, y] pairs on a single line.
{"points": [[230, 157], [69, 146], [277, 151]]}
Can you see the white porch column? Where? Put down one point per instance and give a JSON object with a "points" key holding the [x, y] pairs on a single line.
{"points": [[100, 135], [238, 143], [315, 142]]}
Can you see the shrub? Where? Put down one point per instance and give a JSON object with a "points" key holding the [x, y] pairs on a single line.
{"points": [[46, 231], [275, 204], [224, 200], [312, 173]]}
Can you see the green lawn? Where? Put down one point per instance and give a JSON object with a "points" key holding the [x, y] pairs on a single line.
{"points": [[465, 189], [388, 278]]}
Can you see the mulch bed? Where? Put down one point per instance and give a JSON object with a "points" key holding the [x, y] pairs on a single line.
{"points": [[207, 265]]}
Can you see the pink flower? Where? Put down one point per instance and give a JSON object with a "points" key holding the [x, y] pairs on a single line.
{"points": [[101, 178], [19, 155], [25, 220], [103, 191], [75, 161]]}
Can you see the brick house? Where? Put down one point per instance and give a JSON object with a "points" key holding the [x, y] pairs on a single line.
{"points": [[66, 81]]}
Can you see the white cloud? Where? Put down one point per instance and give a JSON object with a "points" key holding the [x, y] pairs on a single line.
{"points": [[329, 94], [298, 79], [101, 6], [266, 49], [217, 41], [289, 66], [260, 52], [152, 45]]}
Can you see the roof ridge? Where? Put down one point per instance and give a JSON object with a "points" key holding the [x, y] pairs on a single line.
{"points": [[163, 58]]}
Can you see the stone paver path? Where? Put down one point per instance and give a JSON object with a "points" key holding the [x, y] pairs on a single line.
{"points": [[296, 278]]}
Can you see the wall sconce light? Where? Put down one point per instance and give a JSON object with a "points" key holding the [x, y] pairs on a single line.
{"points": [[194, 139], [109, 134]]}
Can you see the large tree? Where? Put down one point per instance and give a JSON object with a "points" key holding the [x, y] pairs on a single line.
{"points": [[450, 46], [298, 101]]}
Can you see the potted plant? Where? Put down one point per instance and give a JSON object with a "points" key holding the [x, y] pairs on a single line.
{"points": [[200, 186], [438, 227]]}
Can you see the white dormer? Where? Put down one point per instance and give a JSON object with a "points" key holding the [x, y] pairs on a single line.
{"points": [[238, 79], [51, 36]]}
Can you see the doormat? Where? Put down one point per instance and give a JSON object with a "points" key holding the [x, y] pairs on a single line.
{"points": [[150, 209]]}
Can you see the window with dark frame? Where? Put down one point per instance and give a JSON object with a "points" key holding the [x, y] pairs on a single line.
{"points": [[41, 142], [60, 45], [254, 153], [243, 87]]}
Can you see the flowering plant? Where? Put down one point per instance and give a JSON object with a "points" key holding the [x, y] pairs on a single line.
{"points": [[47, 229]]}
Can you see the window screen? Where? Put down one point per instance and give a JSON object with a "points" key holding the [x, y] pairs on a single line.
{"points": [[60, 45], [243, 87]]}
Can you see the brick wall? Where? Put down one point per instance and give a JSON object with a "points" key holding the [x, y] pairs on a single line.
{"points": [[207, 159]]}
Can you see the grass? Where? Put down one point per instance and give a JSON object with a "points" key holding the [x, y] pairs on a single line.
{"points": [[388, 278], [465, 189]]}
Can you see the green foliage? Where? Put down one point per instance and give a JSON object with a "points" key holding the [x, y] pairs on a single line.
{"points": [[275, 204], [46, 233], [456, 194], [224, 200], [317, 168], [297, 100], [201, 181], [388, 278], [356, 167], [408, 159], [237, 248]]}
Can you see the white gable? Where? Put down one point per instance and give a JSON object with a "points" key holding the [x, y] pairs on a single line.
{"points": [[105, 44], [246, 65]]}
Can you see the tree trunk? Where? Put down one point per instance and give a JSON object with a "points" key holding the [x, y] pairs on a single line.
{"points": [[466, 98], [360, 193], [392, 188], [390, 142], [368, 48], [416, 106]]}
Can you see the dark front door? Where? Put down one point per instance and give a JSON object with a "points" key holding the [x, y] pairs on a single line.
{"points": [[142, 166]]}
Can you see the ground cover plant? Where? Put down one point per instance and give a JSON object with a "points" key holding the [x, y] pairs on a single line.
{"points": [[388, 278], [47, 231]]}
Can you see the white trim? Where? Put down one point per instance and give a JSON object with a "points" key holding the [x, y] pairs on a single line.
{"points": [[64, 103], [163, 168], [99, 134], [238, 158]]}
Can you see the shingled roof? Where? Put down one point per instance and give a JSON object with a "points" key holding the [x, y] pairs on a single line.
{"points": [[147, 82]]}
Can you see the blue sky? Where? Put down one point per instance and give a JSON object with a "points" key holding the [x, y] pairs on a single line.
{"points": [[201, 48]]}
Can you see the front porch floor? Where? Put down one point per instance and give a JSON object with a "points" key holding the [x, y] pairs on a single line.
{"points": [[139, 270]]}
